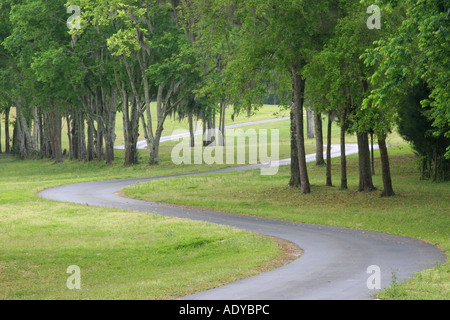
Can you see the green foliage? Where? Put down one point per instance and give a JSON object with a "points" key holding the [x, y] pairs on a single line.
{"points": [[418, 51], [416, 127]]}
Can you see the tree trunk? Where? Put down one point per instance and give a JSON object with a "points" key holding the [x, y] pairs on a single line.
{"points": [[423, 168], [109, 116], [99, 140], [310, 123], [372, 155], [130, 126], [319, 139], [90, 139], [435, 160], [71, 134], [56, 136], [365, 173], [223, 108], [298, 84], [82, 154], [388, 190], [7, 145], [46, 134], [109, 147], [207, 131], [36, 130], [161, 117], [154, 148], [14, 138], [191, 129], [330, 123], [295, 172], [344, 185], [41, 134], [22, 139]]}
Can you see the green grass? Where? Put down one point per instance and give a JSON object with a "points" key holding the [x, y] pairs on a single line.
{"points": [[129, 255], [122, 255], [419, 210]]}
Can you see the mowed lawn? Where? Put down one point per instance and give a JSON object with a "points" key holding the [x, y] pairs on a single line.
{"points": [[121, 254], [420, 209], [130, 255]]}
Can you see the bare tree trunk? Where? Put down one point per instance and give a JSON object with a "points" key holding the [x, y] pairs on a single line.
{"points": [[131, 127], [7, 137], [205, 130], [191, 129], [295, 171], [319, 139], [82, 155], [310, 122], [109, 126], [388, 190], [35, 136], [344, 185], [41, 134], [22, 137], [298, 93], [90, 139], [71, 133], [99, 140], [56, 136], [14, 139], [212, 128], [154, 150], [435, 160], [365, 173], [330, 123], [46, 135], [372, 155], [154, 143], [223, 108]]}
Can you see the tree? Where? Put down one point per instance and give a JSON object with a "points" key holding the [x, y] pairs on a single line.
{"points": [[148, 42], [32, 43], [275, 38], [413, 56], [416, 127]]}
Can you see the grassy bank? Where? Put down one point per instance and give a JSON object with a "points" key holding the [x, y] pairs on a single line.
{"points": [[129, 255], [121, 255], [419, 210]]}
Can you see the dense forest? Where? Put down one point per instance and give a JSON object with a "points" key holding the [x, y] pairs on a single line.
{"points": [[371, 66]]}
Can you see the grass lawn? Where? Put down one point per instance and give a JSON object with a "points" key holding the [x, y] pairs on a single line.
{"points": [[419, 210], [122, 255], [130, 255]]}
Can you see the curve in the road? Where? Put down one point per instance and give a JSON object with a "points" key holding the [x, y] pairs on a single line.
{"points": [[142, 144], [334, 263]]}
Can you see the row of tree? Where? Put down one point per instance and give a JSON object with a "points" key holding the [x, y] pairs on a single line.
{"points": [[194, 58]]}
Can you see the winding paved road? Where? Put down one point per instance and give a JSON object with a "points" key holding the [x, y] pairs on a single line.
{"points": [[334, 262], [142, 144]]}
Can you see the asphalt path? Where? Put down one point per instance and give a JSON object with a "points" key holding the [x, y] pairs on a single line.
{"points": [[334, 264], [142, 144]]}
